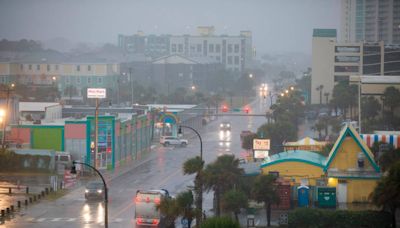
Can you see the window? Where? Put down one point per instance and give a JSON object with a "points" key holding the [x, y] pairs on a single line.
{"points": [[347, 59], [37, 67], [78, 80], [198, 47], [236, 60], [229, 48], [350, 49], [78, 68], [21, 66], [236, 48], [180, 48], [211, 48], [48, 67], [218, 58], [30, 67], [218, 48], [56, 67], [67, 80], [99, 80], [173, 47], [89, 68], [229, 59], [346, 69], [89, 80]]}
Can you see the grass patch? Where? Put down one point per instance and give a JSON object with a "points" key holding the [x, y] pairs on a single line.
{"points": [[56, 195]]}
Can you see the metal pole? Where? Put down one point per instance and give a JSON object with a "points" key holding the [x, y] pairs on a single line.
{"points": [[96, 123], [359, 106], [5, 120], [200, 178], [130, 78], [105, 192]]}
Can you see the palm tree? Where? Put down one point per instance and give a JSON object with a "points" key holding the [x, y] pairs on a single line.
{"points": [[233, 201], [185, 203], [387, 192], [221, 176], [195, 166], [170, 209], [264, 190]]}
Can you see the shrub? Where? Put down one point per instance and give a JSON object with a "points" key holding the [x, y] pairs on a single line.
{"points": [[220, 222], [309, 217]]}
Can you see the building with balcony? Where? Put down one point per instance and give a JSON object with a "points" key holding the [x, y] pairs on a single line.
{"points": [[370, 21]]}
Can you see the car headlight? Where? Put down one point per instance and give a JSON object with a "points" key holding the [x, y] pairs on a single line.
{"points": [[86, 190], [99, 191], [221, 125], [228, 125]]}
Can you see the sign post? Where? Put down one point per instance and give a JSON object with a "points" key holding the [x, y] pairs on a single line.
{"points": [[261, 148], [96, 93]]}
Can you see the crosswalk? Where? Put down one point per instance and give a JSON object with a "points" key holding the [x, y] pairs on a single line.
{"points": [[40, 220]]}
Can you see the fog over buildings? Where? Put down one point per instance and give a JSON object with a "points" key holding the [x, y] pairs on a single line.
{"points": [[278, 26]]}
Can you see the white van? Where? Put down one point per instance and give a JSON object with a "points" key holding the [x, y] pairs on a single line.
{"points": [[62, 159]]}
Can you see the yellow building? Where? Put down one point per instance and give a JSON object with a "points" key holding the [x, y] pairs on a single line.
{"points": [[350, 167]]}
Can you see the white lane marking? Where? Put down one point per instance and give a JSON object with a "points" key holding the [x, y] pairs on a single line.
{"points": [[118, 220], [258, 222], [41, 219], [56, 219], [71, 219]]}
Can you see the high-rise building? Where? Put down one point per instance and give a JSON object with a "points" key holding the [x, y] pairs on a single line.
{"points": [[234, 52], [334, 61], [370, 21]]}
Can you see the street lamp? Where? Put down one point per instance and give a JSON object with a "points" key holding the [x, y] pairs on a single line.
{"points": [[73, 171], [7, 110], [200, 178]]}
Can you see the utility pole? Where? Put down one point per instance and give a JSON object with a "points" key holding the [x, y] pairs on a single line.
{"points": [[7, 112], [131, 80]]}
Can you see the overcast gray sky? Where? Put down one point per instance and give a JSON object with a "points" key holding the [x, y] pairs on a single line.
{"points": [[277, 25]]}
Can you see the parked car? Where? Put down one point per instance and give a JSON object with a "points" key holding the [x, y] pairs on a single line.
{"points": [[172, 140], [225, 126], [94, 190]]}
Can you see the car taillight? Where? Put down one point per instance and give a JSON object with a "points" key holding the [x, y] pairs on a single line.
{"points": [[147, 199], [156, 221], [139, 220], [157, 200], [138, 199]]}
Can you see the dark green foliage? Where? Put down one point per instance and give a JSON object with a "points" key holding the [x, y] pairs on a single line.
{"points": [[309, 217], [247, 142], [10, 162], [220, 222]]}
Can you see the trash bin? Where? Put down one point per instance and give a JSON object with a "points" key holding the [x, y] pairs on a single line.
{"points": [[326, 197]]}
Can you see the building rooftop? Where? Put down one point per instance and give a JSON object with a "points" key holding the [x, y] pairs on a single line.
{"points": [[296, 156], [324, 33]]}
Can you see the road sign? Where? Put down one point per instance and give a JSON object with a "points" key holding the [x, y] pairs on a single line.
{"points": [[261, 144], [96, 93]]}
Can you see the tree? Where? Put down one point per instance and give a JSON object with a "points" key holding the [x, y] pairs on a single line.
{"points": [[170, 209], [221, 176], [70, 91], [185, 203], [247, 141], [344, 96], [278, 132], [218, 222], [370, 107], [265, 191], [387, 192], [233, 201], [391, 99], [195, 166]]}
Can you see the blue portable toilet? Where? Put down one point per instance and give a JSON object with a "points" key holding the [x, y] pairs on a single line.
{"points": [[303, 197]]}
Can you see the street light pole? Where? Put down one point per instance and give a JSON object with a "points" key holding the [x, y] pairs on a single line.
{"points": [[6, 114], [73, 171], [200, 177], [96, 123]]}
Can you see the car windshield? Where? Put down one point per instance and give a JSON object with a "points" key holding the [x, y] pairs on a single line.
{"points": [[95, 185]]}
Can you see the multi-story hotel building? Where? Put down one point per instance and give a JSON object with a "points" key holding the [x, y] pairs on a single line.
{"points": [[234, 52], [334, 61], [371, 21]]}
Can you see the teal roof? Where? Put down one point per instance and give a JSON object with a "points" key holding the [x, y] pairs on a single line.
{"points": [[296, 156], [324, 33]]}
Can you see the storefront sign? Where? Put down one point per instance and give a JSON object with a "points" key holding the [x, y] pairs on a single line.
{"points": [[261, 144], [96, 93]]}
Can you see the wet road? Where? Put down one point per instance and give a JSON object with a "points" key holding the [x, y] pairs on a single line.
{"points": [[161, 169]]}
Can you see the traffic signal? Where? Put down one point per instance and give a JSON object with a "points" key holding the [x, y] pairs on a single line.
{"points": [[224, 108], [247, 110]]}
